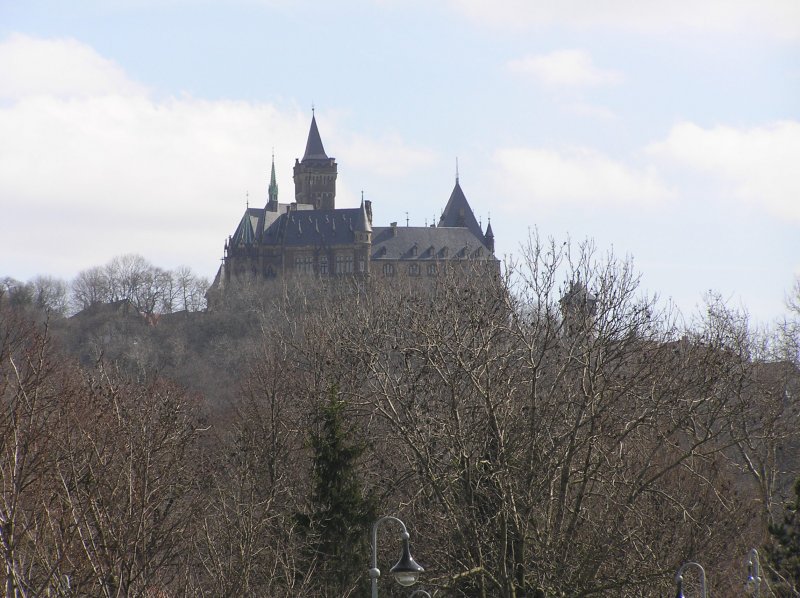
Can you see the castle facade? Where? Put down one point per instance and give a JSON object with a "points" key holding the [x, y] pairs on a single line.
{"points": [[311, 236]]}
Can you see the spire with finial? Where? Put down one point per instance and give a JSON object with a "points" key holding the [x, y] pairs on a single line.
{"points": [[458, 213], [314, 149], [489, 235], [456, 170], [272, 193]]}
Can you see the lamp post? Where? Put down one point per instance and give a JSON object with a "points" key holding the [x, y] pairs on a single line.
{"points": [[406, 571], [753, 583], [679, 579]]}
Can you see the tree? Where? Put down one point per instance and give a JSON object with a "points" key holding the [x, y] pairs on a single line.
{"points": [[33, 383], [340, 511], [90, 287], [247, 542], [17, 293], [127, 480], [545, 455], [50, 295], [783, 549]]}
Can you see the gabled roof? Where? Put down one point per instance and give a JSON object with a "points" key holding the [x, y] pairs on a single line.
{"points": [[245, 232], [457, 213], [314, 149]]}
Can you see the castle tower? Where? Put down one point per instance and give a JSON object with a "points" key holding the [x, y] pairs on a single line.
{"points": [[315, 174], [578, 309]]}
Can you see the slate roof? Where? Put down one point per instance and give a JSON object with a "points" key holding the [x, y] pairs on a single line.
{"points": [[248, 225], [314, 228], [314, 149], [431, 243], [457, 213]]}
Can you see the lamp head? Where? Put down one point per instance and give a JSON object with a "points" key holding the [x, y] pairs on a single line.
{"points": [[679, 583], [407, 570]]}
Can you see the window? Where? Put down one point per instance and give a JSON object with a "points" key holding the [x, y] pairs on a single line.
{"points": [[344, 264], [323, 264], [304, 263], [413, 269], [388, 269], [360, 266], [432, 270]]}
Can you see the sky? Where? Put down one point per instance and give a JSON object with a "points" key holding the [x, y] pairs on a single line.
{"points": [[666, 132]]}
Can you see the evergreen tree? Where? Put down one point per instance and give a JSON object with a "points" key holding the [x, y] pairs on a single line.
{"points": [[341, 512], [783, 550]]}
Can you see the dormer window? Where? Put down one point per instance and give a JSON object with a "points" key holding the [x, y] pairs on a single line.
{"points": [[414, 250]]}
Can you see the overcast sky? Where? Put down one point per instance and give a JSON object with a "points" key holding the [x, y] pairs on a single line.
{"points": [[666, 131]]}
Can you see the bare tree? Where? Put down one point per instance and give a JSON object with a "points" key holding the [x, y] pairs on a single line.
{"points": [[33, 384], [127, 477], [50, 295], [548, 453], [89, 288]]}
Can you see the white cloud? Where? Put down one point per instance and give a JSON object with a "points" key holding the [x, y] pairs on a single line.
{"points": [[757, 165], [544, 176], [773, 18], [91, 166], [564, 68], [389, 157], [86, 179], [58, 67]]}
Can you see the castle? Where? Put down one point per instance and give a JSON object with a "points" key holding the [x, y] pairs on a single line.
{"points": [[312, 236]]}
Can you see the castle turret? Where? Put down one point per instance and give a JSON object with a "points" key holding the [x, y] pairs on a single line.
{"points": [[489, 236], [315, 174]]}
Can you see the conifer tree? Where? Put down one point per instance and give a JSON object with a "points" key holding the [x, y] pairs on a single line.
{"points": [[783, 550], [341, 511]]}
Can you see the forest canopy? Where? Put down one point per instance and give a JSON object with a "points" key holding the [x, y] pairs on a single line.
{"points": [[548, 431]]}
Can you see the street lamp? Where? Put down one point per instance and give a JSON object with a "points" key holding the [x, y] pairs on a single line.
{"points": [[679, 579], [406, 571], [753, 574]]}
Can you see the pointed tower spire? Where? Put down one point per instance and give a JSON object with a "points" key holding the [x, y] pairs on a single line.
{"points": [[314, 149], [457, 213], [272, 204], [489, 235]]}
